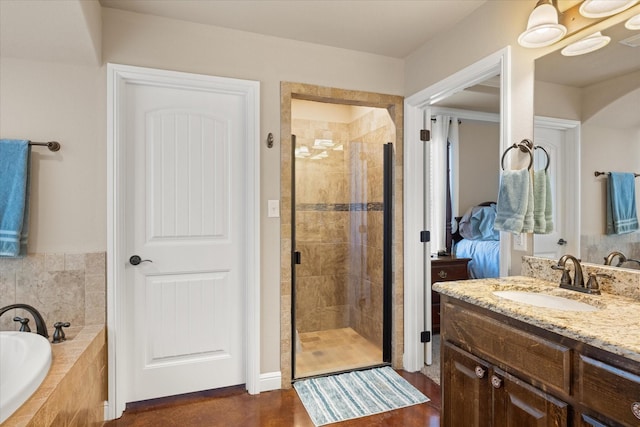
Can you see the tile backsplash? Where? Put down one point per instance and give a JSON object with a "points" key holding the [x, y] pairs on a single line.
{"points": [[63, 287]]}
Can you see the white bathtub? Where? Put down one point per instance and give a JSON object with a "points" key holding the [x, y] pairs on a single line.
{"points": [[25, 359]]}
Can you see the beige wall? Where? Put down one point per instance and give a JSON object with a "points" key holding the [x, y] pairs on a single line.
{"points": [[44, 101], [479, 175]]}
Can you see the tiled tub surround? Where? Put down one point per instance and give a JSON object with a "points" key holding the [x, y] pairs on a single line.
{"points": [[613, 327], [62, 287], [74, 390]]}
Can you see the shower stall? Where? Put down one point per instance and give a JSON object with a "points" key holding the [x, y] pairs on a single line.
{"points": [[341, 237]]}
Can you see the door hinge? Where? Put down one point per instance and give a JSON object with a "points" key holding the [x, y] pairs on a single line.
{"points": [[297, 257], [425, 236], [425, 336], [425, 135]]}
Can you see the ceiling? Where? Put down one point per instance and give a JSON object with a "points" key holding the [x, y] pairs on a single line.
{"points": [[393, 28]]}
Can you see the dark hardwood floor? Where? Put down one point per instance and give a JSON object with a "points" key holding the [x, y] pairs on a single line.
{"points": [[235, 407]]}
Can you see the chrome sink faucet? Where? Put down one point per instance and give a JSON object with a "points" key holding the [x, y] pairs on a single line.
{"points": [[41, 326]]}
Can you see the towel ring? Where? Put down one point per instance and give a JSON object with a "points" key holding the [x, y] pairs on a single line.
{"points": [[546, 168], [522, 147]]}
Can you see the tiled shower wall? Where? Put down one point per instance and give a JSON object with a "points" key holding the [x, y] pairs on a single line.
{"points": [[322, 229], [62, 287], [339, 226], [369, 133]]}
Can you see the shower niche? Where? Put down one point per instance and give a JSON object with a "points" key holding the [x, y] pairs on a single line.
{"points": [[341, 222]]}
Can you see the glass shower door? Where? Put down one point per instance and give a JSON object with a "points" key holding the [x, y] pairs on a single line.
{"points": [[341, 252]]}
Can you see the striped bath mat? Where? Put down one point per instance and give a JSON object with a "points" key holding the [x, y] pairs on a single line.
{"points": [[356, 394]]}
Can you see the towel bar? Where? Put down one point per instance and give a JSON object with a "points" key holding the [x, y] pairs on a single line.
{"points": [[596, 173], [51, 145]]}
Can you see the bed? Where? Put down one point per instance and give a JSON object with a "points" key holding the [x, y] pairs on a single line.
{"points": [[476, 238]]}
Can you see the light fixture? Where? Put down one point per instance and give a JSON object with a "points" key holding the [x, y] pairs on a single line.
{"points": [[604, 8], [542, 27], [633, 23], [586, 45]]}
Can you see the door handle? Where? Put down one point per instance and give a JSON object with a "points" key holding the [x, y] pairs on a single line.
{"points": [[135, 260], [562, 242]]}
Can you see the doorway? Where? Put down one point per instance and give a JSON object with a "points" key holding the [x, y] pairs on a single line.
{"points": [[392, 107], [341, 237]]}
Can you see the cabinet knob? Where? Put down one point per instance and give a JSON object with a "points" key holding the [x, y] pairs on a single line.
{"points": [[496, 382], [480, 372], [442, 274], [635, 409]]}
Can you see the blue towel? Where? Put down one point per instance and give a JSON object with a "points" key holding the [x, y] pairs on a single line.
{"points": [[14, 197], [515, 202], [621, 203]]}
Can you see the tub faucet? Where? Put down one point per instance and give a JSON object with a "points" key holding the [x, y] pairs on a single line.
{"points": [[41, 326], [565, 281], [608, 260]]}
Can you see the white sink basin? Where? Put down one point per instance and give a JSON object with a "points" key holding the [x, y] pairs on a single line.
{"points": [[544, 300]]}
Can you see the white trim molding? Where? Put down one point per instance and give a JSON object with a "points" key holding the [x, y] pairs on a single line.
{"points": [[270, 381], [118, 76], [417, 265]]}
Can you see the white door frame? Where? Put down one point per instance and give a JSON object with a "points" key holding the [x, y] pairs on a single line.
{"points": [[417, 267], [571, 168], [118, 76]]}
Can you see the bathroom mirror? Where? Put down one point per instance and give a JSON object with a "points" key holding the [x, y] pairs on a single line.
{"points": [[601, 90]]}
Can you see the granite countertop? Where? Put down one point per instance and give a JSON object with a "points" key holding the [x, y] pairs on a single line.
{"points": [[614, 327]]}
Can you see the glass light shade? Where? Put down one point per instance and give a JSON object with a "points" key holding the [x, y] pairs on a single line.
{"points": [[542, 28], [604, 8], [633, 23], [588, 44]]}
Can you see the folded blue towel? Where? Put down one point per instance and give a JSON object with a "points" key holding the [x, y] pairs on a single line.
{"points": [[622, 216], [14, 197], [515, 202]]}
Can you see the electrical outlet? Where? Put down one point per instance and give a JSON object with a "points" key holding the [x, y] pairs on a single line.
{"points": [[520, 242]]}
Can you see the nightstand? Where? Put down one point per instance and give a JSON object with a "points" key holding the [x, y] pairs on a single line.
{"points": [[444, 269]]}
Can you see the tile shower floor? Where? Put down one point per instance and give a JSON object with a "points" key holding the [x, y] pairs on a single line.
{"points": [[334, 350]]}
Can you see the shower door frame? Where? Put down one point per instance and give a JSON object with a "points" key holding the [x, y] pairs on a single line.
{"points": [[395, 106], [387, 260]]}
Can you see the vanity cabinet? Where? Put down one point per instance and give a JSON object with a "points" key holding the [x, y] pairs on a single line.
{"points": [[499, 371], [444, 269], [480, 394]]}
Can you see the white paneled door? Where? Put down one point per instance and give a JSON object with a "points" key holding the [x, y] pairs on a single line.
{"points": [[186, 219]]}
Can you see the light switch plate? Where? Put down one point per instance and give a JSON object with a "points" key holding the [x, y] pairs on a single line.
{"points": [[273, 208]]}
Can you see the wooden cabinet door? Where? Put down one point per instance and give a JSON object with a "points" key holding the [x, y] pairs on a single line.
{"points": [[518, 404], [466, 393]]}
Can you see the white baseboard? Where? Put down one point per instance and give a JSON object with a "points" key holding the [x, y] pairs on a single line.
{"points": [[270, 381]]}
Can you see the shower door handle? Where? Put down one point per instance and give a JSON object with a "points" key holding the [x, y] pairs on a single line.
{"points": [[297, 257]]}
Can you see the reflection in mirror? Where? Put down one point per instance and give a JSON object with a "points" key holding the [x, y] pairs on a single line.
{"points": [[601, 90], [474, 146]]}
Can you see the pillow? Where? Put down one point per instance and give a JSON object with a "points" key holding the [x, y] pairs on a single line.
{"points": [[477, 223]]}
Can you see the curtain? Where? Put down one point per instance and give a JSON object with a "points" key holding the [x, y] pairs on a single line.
{"points": [[443, 183]]}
